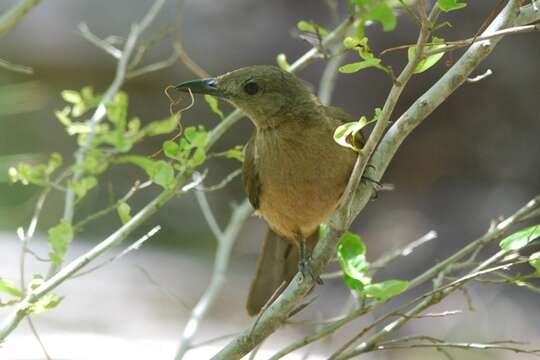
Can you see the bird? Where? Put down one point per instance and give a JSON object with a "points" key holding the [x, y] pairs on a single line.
{"points": [[294, 172]]}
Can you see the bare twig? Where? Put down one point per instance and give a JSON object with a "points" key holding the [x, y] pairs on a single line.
{"points": [[102, 44], [23, 69], [135, 246], [480, 77]]}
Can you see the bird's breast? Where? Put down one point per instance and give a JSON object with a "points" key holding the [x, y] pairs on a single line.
{"points": [[303, 175]]}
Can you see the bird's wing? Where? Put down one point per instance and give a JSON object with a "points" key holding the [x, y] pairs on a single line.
{"points": [[343, 117], [250, 176]]}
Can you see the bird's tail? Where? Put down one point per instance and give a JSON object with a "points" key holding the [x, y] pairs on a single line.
{"points": [[277, 264]]}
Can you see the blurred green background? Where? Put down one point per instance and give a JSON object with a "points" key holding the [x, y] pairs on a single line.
{"points": [[475, 158]]}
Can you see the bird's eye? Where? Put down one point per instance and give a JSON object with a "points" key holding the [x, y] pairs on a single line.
{"points": [[251, 88]]}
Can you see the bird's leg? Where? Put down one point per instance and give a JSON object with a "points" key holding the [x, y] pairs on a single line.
{"points": [[377, 186], [304, 263]]}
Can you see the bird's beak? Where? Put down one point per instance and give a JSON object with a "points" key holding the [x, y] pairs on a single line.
{"points": [[202, 86]]}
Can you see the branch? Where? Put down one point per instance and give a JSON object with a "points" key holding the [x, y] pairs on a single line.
{"points": [[225, 242], [16, 67], [16, 13], [102, 44]]}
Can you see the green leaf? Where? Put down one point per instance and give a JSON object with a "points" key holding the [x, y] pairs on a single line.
{"points": [[386, 289], [35, 174], [351, 253], [344, 134], [520, 239], [308, 26], [117, 110], [323, 230], [124, 212], [63, 116], [59, 238], [383, 14], [236, 152], [534, 260], [162, 174], [198, 157], [450, 5], [161, 127], [357, 66], [424, 64], [282, 62], [351, 42], [71, 96], [7, 287], [214, 105], [46, 303], [159, 171], [171, 149], [95, 162], [84, 185]]}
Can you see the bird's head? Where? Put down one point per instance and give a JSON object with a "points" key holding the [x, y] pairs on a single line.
{"points": [[267, 94]]}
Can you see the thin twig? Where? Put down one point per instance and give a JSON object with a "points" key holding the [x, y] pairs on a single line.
{"points": [[135, 246], [23, 69], [102, 44]]}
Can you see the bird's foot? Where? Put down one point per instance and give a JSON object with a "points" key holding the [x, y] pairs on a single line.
{"points": [[304, 264]]}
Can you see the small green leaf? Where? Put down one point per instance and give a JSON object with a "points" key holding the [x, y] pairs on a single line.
{"points": [[344, 134], [236, 152], [117, 110], [534, 260], [171, 149], [214, 105], [124, 212], [84, 185], [383, 14], [308, 26], [450, 5], [162, 127], [7, 287], [323, 230], [424, 64], [198, 157], [386, 289], [357, 66], [162, 174], [351, 253], [520, 239], [63, 116], [95, 162], [281, 60], [46, 303], [351, 42], [59, 238], [71, 96]]}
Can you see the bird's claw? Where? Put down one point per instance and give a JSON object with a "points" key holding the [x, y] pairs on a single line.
{"points": [[304, 266]]}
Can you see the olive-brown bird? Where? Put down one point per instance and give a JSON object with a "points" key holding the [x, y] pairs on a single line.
{"points": [[294, 172]]}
